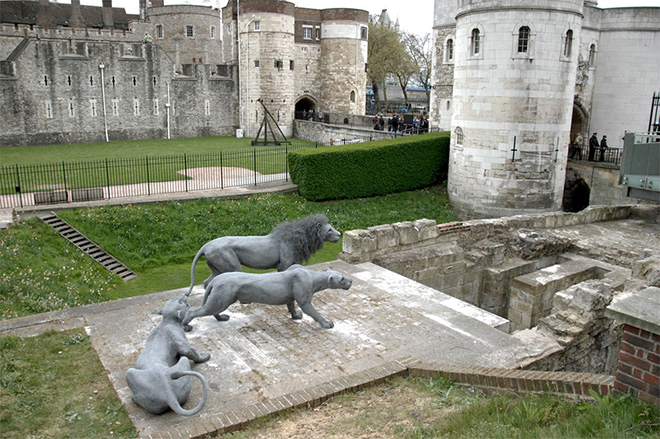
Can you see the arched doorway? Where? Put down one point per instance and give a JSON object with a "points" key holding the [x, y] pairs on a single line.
{"points": [[579, 122], [305, 106], [576, 195]]}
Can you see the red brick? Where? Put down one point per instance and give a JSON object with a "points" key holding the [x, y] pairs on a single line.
{"points": [[631, 381], [654, 380], [639, 342], [638, 362], [645, 334], [625, 367], [627, 347], [656, 338], [621, 386], [637, 373], [647, 398], [653, 358], [630, 329]]}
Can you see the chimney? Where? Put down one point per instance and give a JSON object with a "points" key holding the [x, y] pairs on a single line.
{"points": [[44, 18], [108, 20], [76, 20]]}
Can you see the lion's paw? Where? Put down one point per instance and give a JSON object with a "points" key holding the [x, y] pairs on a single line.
{"points": [[187, 328], [297, 316], [327, 324], [204, 357], [221, 317]]}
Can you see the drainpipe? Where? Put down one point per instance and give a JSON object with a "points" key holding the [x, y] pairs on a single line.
{"points": [[105, 115], [247, 76], [167, 107]]}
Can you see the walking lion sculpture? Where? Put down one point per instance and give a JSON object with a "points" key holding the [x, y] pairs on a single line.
{"points": [[289, 243]]}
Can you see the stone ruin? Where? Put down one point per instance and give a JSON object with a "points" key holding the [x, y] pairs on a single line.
{"points": [[543, 272]]}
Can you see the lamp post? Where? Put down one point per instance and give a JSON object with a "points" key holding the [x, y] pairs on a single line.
{"points": [[105, 116]]}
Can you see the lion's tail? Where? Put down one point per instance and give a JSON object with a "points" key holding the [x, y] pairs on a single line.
{"points": [[174, 403], [192, 270]]}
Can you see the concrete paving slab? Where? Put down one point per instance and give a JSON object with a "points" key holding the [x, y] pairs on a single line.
{"points": [[261, 355]]}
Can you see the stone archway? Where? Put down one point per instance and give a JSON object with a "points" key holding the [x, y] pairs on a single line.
{"points": [[304, 105], [576, 195], [579, 122]]}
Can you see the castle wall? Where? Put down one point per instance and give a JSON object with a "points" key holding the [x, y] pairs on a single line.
{"points": [[627, 72], [501, 94], [56, 95]]}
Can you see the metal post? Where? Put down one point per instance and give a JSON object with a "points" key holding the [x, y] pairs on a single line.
{"points": [[167, 107], [105, 115], [255, 166], [107, 176]]}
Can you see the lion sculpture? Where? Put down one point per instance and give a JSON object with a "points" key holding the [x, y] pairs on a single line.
{"points": [[161, 377], [290, 242], [295, 285]]}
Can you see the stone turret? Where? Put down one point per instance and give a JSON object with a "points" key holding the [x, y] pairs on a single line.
{"points": [[512, 105]]}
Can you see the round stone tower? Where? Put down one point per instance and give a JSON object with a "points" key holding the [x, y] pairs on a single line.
{"points": [[344, 38], [266, 45], [514, 79]]}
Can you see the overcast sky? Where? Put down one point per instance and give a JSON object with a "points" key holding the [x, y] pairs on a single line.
{"points": [[414, 16]]}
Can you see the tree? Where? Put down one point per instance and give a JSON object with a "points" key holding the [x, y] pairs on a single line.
{"points": [[420, 50], [385, 52]]}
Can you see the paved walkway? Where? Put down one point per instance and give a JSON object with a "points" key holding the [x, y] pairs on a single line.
{"points": [[262, 360]]}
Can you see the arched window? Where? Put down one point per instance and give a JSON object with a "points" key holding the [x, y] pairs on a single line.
{"points": [[449, 51], [568, 43], [592, 55], [476, 42], [523, 39], [458, 133], [352, 96]]}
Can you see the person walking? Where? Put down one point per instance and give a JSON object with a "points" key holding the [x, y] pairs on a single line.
{"points": [[603, 148], [593, 146]]}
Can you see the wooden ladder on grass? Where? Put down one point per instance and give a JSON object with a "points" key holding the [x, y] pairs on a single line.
{"points": [[85, 245]]}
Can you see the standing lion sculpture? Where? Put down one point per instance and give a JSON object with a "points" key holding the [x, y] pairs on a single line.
{"points": [[289, 243]]}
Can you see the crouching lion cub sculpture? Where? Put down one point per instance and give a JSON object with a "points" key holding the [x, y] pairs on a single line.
{"points": [[295, 285], [161, 377]]}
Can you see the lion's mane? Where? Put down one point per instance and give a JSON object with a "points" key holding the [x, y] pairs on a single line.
{"points": [[304, 236]]}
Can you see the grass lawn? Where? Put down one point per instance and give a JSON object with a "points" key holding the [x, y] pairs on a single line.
{"points": [[124, 149]]}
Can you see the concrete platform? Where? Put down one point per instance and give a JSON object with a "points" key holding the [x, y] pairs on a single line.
{"points": [[261, 355]]}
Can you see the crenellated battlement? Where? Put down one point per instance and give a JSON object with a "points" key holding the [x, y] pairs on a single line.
{"points": [[91, 34]]}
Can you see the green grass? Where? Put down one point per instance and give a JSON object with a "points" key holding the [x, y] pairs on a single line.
{"points": [[39, 168], [123, 149], [54, 386], [42, 272]]}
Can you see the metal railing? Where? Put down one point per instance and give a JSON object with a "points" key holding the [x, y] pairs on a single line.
{"points": [[66, 182], [608, 155]]}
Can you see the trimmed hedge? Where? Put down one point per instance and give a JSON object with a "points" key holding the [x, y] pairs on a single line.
{"points": [[375, 168]]}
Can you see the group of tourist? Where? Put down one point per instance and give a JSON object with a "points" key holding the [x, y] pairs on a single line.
{"points": [[395, 124], [595, 148]]}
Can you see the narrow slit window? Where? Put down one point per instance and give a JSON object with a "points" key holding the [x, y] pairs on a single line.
{"points": [[476, 42], [568, 43]]}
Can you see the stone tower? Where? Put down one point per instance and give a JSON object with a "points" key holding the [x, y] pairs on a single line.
{"points": [[342, 67], [514, 78], [266, 45]]}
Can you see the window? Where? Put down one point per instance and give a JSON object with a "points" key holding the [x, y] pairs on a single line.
{"points": [[212, 32], [68, 80], [159, 31], [364, 32], [353, 96], [115, 107], [256, 63], [448, 104], [92, 107], [278, 64], [291, 64], [136, 107], [475, 45], [318, 32], [72, 108], [114, 82], [307, 32], [592, 55], [568, 43], [156, 107], [449, 50], [46, 80], [190, 31], [207, 107], [257, 25], [91, 81], [134, 81], [458, 133], [49, 110], [155, 81], [523, 39]]}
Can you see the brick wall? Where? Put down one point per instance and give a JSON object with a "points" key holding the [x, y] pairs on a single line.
{"points": [[639, 364]]}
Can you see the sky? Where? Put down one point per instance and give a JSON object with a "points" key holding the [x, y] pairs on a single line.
{"points": [[415, 16]]}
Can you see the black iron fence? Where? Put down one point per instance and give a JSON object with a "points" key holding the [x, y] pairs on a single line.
{"points": [[65, 182], [607, 155]]}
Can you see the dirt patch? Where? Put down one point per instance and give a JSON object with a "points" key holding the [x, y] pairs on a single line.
{"points": [[395, 409], [217, 172]]}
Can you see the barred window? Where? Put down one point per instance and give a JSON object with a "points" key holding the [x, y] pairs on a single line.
{"points": [[159, 31], [449, 50], [458, 132], [476, 42], [190, 31], [523, 39]]}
